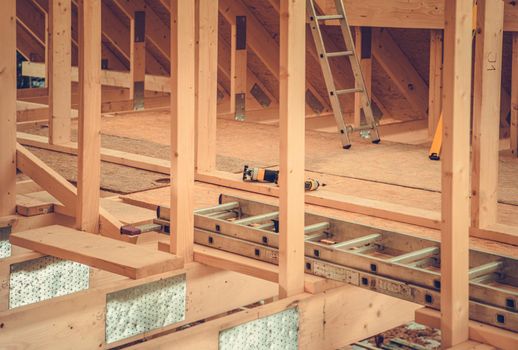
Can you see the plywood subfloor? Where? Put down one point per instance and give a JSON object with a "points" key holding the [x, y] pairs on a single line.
{"points": [[393, 172]]}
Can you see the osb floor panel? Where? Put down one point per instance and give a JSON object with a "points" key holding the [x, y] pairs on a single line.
{"points": [[389, 163], [392, 172]]}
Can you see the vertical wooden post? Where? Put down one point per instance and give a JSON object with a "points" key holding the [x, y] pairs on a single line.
{"points": [[514, 98], [486, 112], [363, 36], [59, 70], [455, 172], [8, 108], [207, 85], [182, 127], [138, 57], [291, 176], [89, 133], [435, 81], [238, 68]]}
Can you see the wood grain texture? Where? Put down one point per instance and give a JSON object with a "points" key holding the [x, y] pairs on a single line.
{"points": [[89, 132], [182, 127], [96, 251], [8, 108], [486, 113], [207, 85], [59, 70], [292, 140], [455, 161]]}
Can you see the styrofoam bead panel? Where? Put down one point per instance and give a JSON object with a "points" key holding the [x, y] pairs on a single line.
{"points": [[5, 249], [275, 332], [143, 308], [5, 246], [45, 278]]}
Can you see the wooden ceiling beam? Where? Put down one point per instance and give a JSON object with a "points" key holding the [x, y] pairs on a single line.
{"points": [[413, 14]]}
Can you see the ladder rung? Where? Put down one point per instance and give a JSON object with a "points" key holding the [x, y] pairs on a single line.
{"points": [[321, 226], [485, 269], [329, 17], [339, 53], [415, 255], [348, 91], [257, 218], [357, 242], [361, 128]]}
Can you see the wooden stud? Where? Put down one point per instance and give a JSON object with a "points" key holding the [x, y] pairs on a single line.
{"points": [[138, 56], [363, 36], [182, 127], [455, 172], [89, 132], [514, 98], [435, 81], [238, 66], [8, 108], [486, 112], [60, 67], [207, 86], [292, 132]]}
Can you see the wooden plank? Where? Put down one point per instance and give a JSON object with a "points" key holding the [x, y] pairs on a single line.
{"points": [[28, 206], [292, 133], [207, 85], [238, 63], [138, 56], [514, 98], [455, 173], [27, 187], [480, 332], [46, 177], [89, 130], [435, 81], [486, 113], [399, 68], [96, 251], [8, 108], [60, 66], [427, 14], [108, 77], [182, 127]]}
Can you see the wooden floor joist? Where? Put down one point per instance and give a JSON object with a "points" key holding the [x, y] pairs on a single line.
{"points": [[96, 251]]}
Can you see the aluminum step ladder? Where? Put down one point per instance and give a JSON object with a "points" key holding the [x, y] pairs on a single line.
{"points": [[371, 127]]}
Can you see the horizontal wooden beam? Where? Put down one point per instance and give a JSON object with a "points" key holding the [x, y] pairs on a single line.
{"points": [[419, 14], [96, 251], [108, 77]]}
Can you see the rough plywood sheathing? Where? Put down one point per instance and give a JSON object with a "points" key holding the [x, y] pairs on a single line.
{"points": [[45, 278], [275, 332], [143, 308]]}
